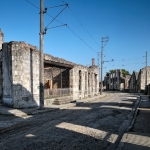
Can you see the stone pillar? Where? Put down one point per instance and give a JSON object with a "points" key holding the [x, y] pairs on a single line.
{"points": [[1, 39], [89, 83]]}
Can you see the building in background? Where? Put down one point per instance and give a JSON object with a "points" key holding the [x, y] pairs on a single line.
{"points": [[133, 82], [115, 81], [143, 79]]}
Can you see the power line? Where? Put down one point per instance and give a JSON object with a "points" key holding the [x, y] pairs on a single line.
{"points": [[54, 18], [80, 38], [57, 15], [91, 15], [57, 26], [32, 4], [84, 29], [56, 6], [83, 26], [127, 64], [128, 59], [46, 12]]}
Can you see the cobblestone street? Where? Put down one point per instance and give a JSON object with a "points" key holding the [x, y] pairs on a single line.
{"points": [[90, 125]]}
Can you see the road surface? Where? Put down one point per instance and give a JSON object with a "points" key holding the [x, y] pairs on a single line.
{"points": [[88, 126]]}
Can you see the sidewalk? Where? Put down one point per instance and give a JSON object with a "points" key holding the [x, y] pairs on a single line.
{"points": [[4, 110], [138, 137]]}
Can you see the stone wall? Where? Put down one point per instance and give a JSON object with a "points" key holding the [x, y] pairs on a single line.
{"points": [[85, 81], [114, 80], [1, 38], [21, 75], [83, 85], [57, 77], [143, 79], [7, 75], [1, 78], [133, 82]]}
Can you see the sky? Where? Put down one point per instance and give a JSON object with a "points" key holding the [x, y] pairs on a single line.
{"points": [[125, 22]]}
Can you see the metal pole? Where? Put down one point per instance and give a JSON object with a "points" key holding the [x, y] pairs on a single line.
{"points": [[41, 67], [102, 67], [146, 59], [98, 70], [146, 72]]}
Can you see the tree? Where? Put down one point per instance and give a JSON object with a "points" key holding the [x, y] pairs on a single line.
{"points": [[124, 72]]}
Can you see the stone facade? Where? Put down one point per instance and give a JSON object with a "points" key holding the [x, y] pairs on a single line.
{"points": [[133, 82], [82, 80], [85, 81], [1, 39], [20, 65], [1, 79], [116, 81], [19, 75], [143, 79]]}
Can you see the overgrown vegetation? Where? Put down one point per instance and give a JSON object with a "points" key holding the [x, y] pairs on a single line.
{"points": [[124, 72]]}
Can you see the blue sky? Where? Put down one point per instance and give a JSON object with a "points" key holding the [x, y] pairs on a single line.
{"points": [[126, 22]]}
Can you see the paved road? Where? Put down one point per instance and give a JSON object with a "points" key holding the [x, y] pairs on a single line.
{"points": [[88, 126]]}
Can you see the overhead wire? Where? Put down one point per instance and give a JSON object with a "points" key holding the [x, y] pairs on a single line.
{"points": [[91, 15], [129, 59], [32, 4], [57, 15], [56, 6], [54, 18], [83, 26], [81, 39], [46, 12]]}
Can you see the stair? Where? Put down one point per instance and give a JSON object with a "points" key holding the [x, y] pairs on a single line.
{"points": [[62, 100]]}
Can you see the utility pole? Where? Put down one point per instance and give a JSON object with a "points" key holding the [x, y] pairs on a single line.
{"points": [[146, 72], [41, 67], [98, 57], [104, 39], [102, 67]]}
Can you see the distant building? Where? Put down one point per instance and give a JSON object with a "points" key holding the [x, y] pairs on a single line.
{"points": [[133, 82], [116, 81], [143, 79]]}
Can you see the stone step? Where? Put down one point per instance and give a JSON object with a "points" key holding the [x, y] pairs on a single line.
{"points": [[62, 100]]}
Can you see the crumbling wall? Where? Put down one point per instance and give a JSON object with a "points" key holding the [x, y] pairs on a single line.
{"points": [[7, 75], [1, 39], [83, 84], [1, 78], [144, 77], [21, 75], [85, 81]]}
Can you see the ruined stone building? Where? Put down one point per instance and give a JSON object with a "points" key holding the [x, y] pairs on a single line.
{"points": [[143, 79], [116, 81], [82, 81], [19, 73], [133, 82]]}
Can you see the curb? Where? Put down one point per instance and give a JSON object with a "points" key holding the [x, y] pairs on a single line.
{"points": [[126, 126]]}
